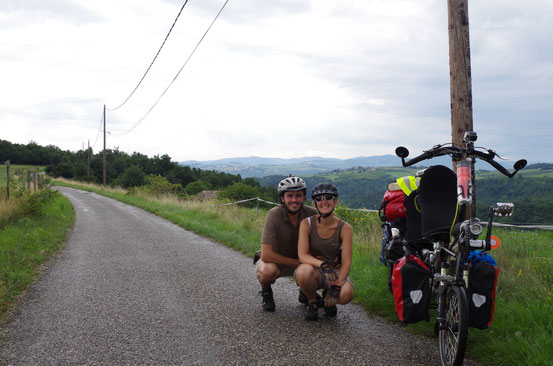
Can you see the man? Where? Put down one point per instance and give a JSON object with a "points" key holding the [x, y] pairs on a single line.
{"points": [[279, 240]]}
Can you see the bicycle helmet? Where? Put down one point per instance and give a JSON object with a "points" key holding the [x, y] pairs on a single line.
{"points": [[291, 183], [324, 188]]}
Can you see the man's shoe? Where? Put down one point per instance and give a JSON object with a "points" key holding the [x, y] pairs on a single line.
{"points": [[331, 311], [304, 300], [268, 302]]}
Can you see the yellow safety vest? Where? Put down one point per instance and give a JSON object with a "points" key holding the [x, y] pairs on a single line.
{"points": [[408, 184]]}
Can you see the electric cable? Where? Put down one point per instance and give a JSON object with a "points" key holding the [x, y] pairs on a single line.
{"points": [[99, 129], [151, 64], [176, 76]]}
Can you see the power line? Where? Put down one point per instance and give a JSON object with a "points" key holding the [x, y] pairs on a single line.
{"points": [[176, 76], [99, 129], [157, 54]]}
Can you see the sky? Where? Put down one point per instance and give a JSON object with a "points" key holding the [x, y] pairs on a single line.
{"points": [[279, 78]]}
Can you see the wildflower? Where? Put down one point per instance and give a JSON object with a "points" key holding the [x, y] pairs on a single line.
{"points": [[519, 272]]}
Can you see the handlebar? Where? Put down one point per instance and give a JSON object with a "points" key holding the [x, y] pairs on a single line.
{"points": [[459, 153]]}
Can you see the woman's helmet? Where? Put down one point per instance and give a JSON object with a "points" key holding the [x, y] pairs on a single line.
{"points": [[324, 188], [291, 183]]}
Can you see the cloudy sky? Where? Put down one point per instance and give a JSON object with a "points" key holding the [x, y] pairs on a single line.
{"points": [[278, 78]]}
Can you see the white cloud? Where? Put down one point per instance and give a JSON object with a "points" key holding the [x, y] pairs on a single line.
{"points": [[282, 78]]}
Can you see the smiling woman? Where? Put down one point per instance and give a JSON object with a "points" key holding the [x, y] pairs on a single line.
{"points": [[325, 254]]}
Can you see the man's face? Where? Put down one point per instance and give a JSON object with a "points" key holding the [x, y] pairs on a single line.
{"points": [[293, 200]]}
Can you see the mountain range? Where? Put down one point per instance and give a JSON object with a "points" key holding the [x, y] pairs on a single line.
{"points": [[258, 167]]}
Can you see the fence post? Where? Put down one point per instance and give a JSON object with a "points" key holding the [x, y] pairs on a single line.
{"points": [[256, 205], [7, 180], [34, 181], [28, 180]]}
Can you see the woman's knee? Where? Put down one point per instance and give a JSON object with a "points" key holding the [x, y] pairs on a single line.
{"points": [[346, 294], [304, 272]]}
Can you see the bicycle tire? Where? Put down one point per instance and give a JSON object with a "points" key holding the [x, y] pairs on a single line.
{"points": [[453, 339]]}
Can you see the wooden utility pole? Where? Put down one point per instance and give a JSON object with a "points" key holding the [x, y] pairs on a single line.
{"points": [[460, 79], [459, 70], [104, 153]]}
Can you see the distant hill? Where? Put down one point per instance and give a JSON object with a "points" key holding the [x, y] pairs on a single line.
{"points": [[531, 190], [258, 167]]}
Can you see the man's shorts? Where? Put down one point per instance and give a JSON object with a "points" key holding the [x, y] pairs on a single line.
{"points": [[285, 271]]}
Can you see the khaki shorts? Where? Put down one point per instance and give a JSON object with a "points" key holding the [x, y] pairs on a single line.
{"points": [[285, 271]]}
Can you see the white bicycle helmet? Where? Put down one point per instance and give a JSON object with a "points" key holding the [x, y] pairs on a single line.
{"points": [[291, 183]]}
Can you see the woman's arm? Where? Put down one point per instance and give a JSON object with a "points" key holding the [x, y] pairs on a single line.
{"points": [[347, 243], [303, 245]]}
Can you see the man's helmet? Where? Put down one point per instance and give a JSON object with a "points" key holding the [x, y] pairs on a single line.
{"points": [[291, 183], [324, 188]]}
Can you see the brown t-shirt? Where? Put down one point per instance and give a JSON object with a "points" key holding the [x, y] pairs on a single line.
{"points": [[279, 232], [325, 249]]}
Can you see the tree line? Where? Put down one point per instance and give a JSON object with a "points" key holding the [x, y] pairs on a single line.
{"points": [[132, 170]]}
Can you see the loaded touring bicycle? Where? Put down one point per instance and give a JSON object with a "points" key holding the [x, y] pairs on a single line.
{"points": [[445, 263]]}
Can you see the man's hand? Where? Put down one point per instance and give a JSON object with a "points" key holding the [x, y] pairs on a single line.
{"points": [[332, 295], [329, 271]]}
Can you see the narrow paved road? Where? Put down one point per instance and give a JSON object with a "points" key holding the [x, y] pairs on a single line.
{"points": [[130, 288]]}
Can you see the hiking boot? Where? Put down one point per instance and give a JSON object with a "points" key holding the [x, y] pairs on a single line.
{"points": [[311, 311], [331, 311], [268, 303], [304, 300]]}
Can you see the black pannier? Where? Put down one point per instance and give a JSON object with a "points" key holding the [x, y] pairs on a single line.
{"points": [[481, 294]]}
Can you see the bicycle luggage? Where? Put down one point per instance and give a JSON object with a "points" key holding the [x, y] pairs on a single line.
{"points": [[481, 290], [392, 206], [411, 289]]}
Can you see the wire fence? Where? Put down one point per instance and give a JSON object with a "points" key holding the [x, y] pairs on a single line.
{"points": [[499, 224]]}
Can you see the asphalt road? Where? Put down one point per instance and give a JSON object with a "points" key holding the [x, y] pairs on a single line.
{"points": [[130, 288]]}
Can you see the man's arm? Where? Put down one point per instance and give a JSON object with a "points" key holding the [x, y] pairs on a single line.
{"points": [[268, 255]]}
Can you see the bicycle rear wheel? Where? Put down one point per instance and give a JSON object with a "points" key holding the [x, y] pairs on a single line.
{"points": [[453, 338]]}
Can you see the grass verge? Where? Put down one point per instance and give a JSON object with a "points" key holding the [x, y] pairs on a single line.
{"points": [[29, 242], [521, 333]]}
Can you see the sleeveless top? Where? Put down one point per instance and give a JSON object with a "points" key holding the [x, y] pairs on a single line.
{"points": [[325, 249]]}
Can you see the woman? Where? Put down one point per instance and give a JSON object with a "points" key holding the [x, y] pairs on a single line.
{"points": [[324, 251]]}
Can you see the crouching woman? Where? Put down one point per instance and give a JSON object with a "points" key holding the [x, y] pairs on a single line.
{"points": [[324, 251]]}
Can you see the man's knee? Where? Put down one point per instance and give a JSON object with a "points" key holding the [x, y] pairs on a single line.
{"points": [[267, 272]]}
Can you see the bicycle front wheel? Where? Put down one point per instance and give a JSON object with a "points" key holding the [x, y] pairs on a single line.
{"points": [[453, 337]]}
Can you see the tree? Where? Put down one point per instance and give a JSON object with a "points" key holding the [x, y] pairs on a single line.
{"points": [[133, 176], [196, 187], [239, 191]]}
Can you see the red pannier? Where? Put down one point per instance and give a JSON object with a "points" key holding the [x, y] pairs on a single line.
{"points": [[393, 206], [411, 289]]}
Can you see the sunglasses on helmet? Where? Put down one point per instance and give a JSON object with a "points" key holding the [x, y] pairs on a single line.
{"points": [[326, 197]]}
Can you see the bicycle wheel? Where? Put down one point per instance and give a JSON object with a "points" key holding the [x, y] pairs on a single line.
{"points": [[453, 338]]}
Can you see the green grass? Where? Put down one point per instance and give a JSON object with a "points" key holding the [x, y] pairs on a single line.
{"points": [[29, 242], [521, 333]]}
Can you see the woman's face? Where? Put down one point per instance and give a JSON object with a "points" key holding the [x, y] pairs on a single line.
{"points": [[325, 203]]}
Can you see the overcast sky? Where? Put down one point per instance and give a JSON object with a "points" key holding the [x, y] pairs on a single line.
{"points": [[278, 78]]}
